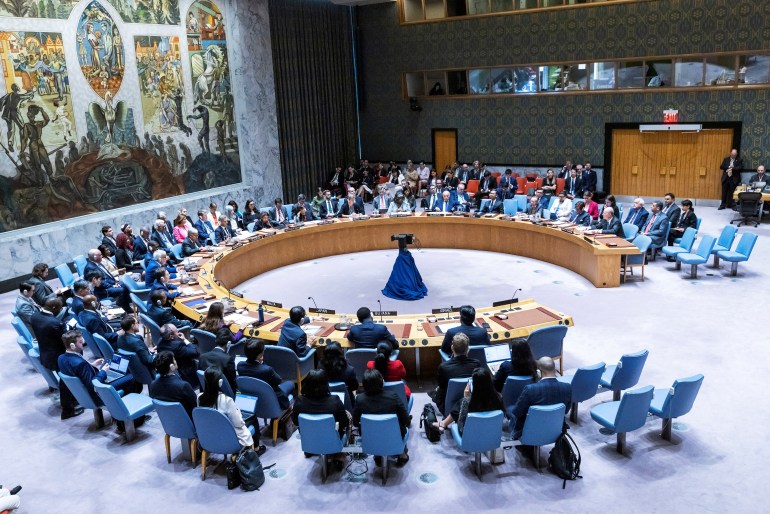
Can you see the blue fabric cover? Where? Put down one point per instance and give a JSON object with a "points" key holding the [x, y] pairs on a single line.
{"points": [[405, 282]]}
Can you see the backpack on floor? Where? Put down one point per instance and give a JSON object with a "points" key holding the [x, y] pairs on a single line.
{"points": [[250, 469], [564, 459], [429, 417]]}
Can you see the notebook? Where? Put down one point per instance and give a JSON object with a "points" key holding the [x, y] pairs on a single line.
{"points": [[496, 355], [118, 368]]}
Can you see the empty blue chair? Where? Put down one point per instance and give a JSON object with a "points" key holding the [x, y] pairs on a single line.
{"points": [[624, 374], [627, 415], [154, 328], [286, 363], [512, 389], [25, 346], [216, 434], [521, 202], [742, 252], [444, 356], [125, 409], [51, 377], [176, 423], [250, 226], [724, 243], [139, 371], [204, 339], [543, 426], [143, 293], [678, 240], [319, 437], [103, 347], [358, 358], [140, 306], [676, 401], [21, 329], [642, 242], [65, 275], [83, 396], [585, 384], [341, 387], [89, 340], [454, 392], [80, 265], [477, 352], [268, 406], [483, 432], [549, 342], [510, 207], [176, 251], [629, 231], [400, 389], [701, 256], [381, 436], [236, 349], [685, 245]]}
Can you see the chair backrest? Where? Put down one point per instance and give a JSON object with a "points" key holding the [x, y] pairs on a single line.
{"points": [[560, 183], [748, 202], [283, 360], [688, 238], [138, 370], [483, 431], [65, 275], [521, 200], [473, 186], [205, 340], [22, 330], [341, 387], [176, 251], [358, 358], [400, 389], [484, 203], [697, 223], [510, 206], [216, 434], [250, 226], [547, 341], [51, 377], [80, 265], [236, 349], [512, 389], [727, 236], [547, 214], [103, 346], [632, 412], [318, 434], [552, 203], [174, 419], [225, 387], [267, 403], [630, 230], [89, 340], [705, 246], [111, 400], [454, 392], [681, 396], [154, 328], [477, 352], [746, 244], [79, 391], [585, 383], [141, 305], [643, 242], [629, 370], [381, 435], [543, 424]]}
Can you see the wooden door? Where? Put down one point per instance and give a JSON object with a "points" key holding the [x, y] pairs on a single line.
{"points": [[650, 164], [444, 148]]}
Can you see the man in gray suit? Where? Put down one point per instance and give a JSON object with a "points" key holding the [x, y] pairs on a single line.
{"points": [[657, 224]]}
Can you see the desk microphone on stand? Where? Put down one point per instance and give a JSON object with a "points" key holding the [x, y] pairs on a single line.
{"points": [[380, 304], [314, 304], [513, 298]]}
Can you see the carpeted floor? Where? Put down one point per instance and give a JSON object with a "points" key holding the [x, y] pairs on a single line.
{"points": [[713, 325]]}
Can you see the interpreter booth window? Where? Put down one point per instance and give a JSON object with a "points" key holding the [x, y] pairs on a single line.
{"points": [[436, 81], [551, 3], [502, 5], [720, 70], [631, 74], [603, 75], [525, 79], [524, 4], [502, 80], [479, 82], [570, 77], [754, 69], [658, 73], [478, 7], [457, 82], [415, 84], [456, 8], [688, 72], [434, 9], [413, 10]]}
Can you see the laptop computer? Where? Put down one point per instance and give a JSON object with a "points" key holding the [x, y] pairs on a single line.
{"points": [[246, 403], [496, 355], [118, 368]]}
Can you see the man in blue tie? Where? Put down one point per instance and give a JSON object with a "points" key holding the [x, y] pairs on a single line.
{"points": [[204, 227], [446, 205], [114, 288], [638, 214]]}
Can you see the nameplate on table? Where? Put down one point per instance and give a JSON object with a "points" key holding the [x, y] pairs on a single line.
{"points": [[292, 227], [593, 242], [272, 304], [505, 302], [235, 293], [315, 310], [384, 313], [444, 310]]}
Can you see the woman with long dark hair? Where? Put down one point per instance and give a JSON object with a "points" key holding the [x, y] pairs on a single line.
{"points": [[215, 320], [479, 396], [213, 397], [392, 371], [522, 364], [337, 368]]}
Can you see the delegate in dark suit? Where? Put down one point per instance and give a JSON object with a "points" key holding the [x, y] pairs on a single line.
{"points": [[368, 334], [48, 330], [190, 247], [448, 206], [172, 388], [672, 212], [345, 209], [42, 290], [478, 337], [328, 209], [274, 215], [589, 180], [95, 324], [638, 217], [583, 219], [686, 220], [268, 375], [110, 286], [386, 402], [731, 176], [163, 239], [134, 343], [205, 230], [185, 355], [140, 249], [548, 391], [223, 233], [613, 226], [220, 359], [327, 405], [573, 187], [74, 365], [459, 366], [658, 226], [162, 315], [493, 207], [293, 337]]}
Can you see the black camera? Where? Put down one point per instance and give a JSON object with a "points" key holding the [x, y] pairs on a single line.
{"points": [[406, 238]]}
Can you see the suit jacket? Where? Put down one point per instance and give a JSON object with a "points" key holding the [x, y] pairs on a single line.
{"points": [[673, 212], [75, 365], [266, 374], [26, 307], [124, 258], [108, 280], [451, 205], [189, 246], [386, 402], [95, 324], [495, 208], [658, 228], [162, 315], [509, 368], [220, 358], [487, 183], [185, 355], [309, 215], [111, 244], [164, 239], [274, 215], [171, 388], [368, 334], [478, 336], [327, 405], [430, 202], [140, 249], [324, 209], [48, 330], [460, 206], [345, 209], [223, 233], [460, 366], [690, 220], [583, 218], [76, 306], [135, 343], [639, 217], [589, 180], [42, 290], [377, 205], [205, 229], [737, 167], [548, 391], [575, 189], [756, 178], [614, 226], [293, 337]]}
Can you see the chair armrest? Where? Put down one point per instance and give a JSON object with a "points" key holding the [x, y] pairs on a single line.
{"points": [[306, 363]]}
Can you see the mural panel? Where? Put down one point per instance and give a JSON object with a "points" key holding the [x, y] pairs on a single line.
{"points": [[60, 9], [148, 11], [160, 79], [100, 50]]}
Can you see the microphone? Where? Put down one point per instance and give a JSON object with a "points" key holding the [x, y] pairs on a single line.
{"points": [[314, 304], [513, 298], [380, 304]]}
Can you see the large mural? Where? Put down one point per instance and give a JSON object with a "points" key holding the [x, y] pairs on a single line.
{"points": [[171, 134], [60, 9]]}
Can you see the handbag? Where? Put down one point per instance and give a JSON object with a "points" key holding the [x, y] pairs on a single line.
{"points": [[233, 474]]}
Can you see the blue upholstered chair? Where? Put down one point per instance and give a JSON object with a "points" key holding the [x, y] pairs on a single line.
{"points": [[685, 245], [549, 342], [724, 243], [143, 293], [103, 347], [140, 306], [510, 206], [358, 357], [65, 275], [80, 265], [381, 436], [139, 371], [51, 377], [154, 328], [676, 401], [89, 340], [454, 392], [512, 389], [83, 396], [286, 363], [125, 409], [484, 203], [176, 423], [341, 387], [543, 426], [400, 389], [25, 347], [216, 434], [204, 339], [742, 252], [701, 256], [627, 415], [22, 330], [642, 242], [477, 352], [319, 437], [678, 240], [176, 251], [483, 432], [521, 202], [585, 385], [236, 349], [267, 403], [629, 231], [250, 226], [624, 374]]}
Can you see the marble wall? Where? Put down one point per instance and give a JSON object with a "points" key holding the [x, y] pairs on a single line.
{"points": [[251, 75]]}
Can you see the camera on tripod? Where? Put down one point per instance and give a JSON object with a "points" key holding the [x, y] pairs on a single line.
{"points": [[406, 238]]}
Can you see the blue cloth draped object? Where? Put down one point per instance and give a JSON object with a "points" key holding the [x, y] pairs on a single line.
{"points": [[405, 282]]}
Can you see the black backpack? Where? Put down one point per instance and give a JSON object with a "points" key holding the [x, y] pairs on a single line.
{"points": [[429, 417], [564, 459], [250, 469]]}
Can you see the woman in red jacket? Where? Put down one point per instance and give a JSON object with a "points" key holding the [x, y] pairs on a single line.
{"points": [[392, 371]]}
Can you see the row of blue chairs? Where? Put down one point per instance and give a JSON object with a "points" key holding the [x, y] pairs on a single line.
{"points": [[720, 248]]}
